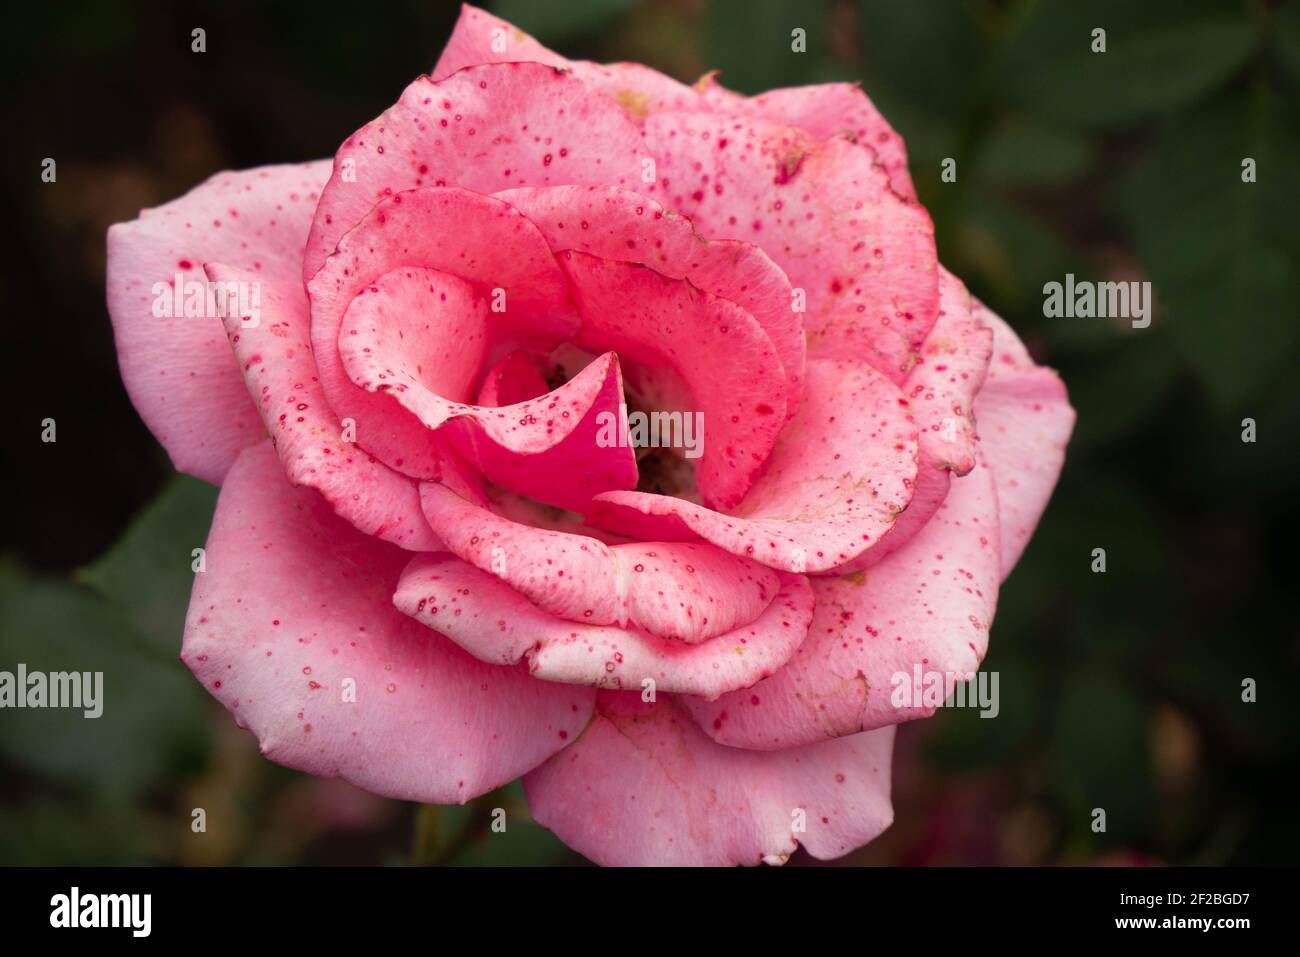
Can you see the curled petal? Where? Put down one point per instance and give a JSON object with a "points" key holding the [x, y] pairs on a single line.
{"points": [[724, 357], [840, 474], [495, 623], [291, 627], [863, 257], [177, 368], [690, 591], [513, 379], [644, 786], [927, 606], [622, 225], [275, 359], [941, 392], [358, 326], [824, 110], [484, 128]]}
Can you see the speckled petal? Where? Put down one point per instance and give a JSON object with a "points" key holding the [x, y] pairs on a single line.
{"points": [[1025, 421], [497, 624], [941, 392], [823, 110], [841, 473], [291, 627], [864, 257], [622, 225], [716, 348], [690, 591], [177, 369], [644, 786], [275, 360], [928, 605], [474, 238], [485, 128]]}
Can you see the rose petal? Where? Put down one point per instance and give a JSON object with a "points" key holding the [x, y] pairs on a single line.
{"points": [[515, 378], [475, 238], [839, 476], [1025, 421], [824, 212], [275, 360], [941, 393], [418, 329], [929, 604], [644, 786], [618, 224], [719, 351], [178, 370], [485, 128], [291, 627], [824, 110], [570, 576], [418, 336], [480, 37], [688, 591], [497, 624]]}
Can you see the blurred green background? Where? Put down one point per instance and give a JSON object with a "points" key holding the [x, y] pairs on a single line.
{"points": [[1120, 691]]}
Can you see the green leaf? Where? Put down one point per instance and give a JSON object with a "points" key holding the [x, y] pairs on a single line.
{"points": [[925, 52], [1222, 253], [1286, 36], [1104, 757], [1008, 251], [152, 720], [1147, 366], [148, 572], [1027, 153], [1160, 54]]}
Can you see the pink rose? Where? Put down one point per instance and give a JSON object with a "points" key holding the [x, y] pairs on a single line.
{"points": [[446, 569]]}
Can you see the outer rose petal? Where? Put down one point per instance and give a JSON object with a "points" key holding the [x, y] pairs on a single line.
{"points": [[275, 359], [618, 224], [479, 37], [825, 214], [841, 473], [493, 622], [1025, 421], [179, 371], [941, 392], [485, 128], [295, 602], [824, 110], [644, 786], [930, 604]]}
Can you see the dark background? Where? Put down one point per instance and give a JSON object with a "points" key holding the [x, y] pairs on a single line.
{"points": [[1119, 690]]}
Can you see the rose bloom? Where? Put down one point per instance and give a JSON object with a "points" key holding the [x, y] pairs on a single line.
{"points": [[431, 571]]}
